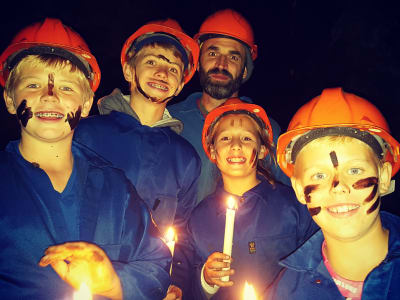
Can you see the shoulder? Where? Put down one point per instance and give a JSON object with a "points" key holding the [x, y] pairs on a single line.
{"points": [[186, 105], [179, 146]]}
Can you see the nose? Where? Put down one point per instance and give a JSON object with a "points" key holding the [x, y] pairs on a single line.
{"points": [[49, 95], [339, 186], [221, 62], [236, 144], [161, 72]]}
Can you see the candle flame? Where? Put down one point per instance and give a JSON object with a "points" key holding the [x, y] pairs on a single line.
{"points": [[83, 293], [170, 235], [249, 293], [231, 202]]}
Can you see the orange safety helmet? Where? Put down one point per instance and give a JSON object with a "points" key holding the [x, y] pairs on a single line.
{"points": [[229, 23], [50, 37], [336, 112], [168, 31], [234, 106]]}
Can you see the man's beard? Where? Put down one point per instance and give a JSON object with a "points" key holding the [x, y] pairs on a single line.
{"points": [[219, 90]]}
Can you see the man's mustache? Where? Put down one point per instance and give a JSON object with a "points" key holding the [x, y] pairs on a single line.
{"points": [[219, 71]]}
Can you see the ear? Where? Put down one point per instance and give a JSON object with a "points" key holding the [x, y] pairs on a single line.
{"points": [[213, 153], [263, 152], [9, 103], [86, 107], [129, 73], [298, 189], [244, 73], [385, 176]]}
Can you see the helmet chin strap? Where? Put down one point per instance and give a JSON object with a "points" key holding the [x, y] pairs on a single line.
{"points": [[152, 99]]}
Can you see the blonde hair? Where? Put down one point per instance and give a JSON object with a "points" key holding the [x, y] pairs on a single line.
{"points": [[46, 60]]}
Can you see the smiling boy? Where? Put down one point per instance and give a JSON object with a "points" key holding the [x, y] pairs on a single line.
{"points": [[136, 132], [340, 156], [62, 205]]}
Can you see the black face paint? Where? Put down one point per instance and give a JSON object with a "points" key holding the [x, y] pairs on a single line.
{"points": [[50, 84], [308, 190], [73, 119], [335, 182], [253, 158], [314, 210], [334, 159], [24, 113], [365, 183]]}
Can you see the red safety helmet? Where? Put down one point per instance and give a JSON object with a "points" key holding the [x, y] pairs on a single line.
{"points": [[229, 23], [336, 112], [50, 37], [169, 31], [234, 106]]}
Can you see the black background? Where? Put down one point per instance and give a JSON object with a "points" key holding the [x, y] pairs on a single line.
{"points": [[304, 47]]}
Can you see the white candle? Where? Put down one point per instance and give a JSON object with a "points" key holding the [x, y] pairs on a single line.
{"points": [[249, 293], [229, 226], [83, 293], [170, 239]]}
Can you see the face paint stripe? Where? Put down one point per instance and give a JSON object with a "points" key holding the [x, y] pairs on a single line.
{"points": [[374, 206], [314, 210], [372, 195], [364, 183], [73, 119], [24, 113], [50, 84], [335, 182], [308, 190], [334, 159], [253, 158]]}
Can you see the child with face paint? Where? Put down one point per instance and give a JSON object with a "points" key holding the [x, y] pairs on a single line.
{"points": [[67, 216], [269, 224], [340, 156]]}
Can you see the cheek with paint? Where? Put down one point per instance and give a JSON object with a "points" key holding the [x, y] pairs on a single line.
{"points": [[253, 158], [73, 118], [366, 183], [24, 113], [307, 196]]}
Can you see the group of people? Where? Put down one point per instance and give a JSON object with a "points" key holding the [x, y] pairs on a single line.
{"points": [[88, 201]]}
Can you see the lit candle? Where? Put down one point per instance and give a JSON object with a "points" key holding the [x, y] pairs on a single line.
{"points": [[249, 293], [83, 293], [170, 239], [229, 226]]}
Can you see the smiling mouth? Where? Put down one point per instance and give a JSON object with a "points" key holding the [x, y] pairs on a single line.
{"points": [[158, 86], [49, 115], [236, 159], [342, 209]]}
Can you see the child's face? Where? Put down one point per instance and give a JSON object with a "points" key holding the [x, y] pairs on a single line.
{"points": [[158, 71], [237, 147], [48, 102], [340, 182]]}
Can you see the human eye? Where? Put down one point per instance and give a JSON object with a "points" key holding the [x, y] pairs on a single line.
{"points": [[150, 62], [224, 138], [247, 138], [319, 176], [212, 53], [355, 171], [173, 70], [66, 89], [235, 58], [33, 86]]}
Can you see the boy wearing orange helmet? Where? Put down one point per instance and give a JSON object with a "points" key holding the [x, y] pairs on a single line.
{"points": [[136, 132], [340, 156], [63, 205], [226, 62]]}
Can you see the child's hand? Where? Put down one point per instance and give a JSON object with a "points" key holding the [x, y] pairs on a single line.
{"points": [[79, 262], [213, 269], [174, 293]]}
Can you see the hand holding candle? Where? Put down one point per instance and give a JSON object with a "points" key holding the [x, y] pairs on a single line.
{"points": [[229, 227], [78, 262]]}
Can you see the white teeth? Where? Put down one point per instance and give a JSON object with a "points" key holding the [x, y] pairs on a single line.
{"points": [[49, 115], [236, 159], [158, 86], [343, 209]]}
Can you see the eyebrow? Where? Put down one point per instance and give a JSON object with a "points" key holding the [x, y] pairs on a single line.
{"points": [[236, 52], [162, 57]]}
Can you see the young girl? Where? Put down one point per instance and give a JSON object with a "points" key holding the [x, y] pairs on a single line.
{"points": [[269, 224]]}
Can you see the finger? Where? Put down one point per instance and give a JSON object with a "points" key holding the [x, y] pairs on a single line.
{"points": [[61, 268], [221, 283]]}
